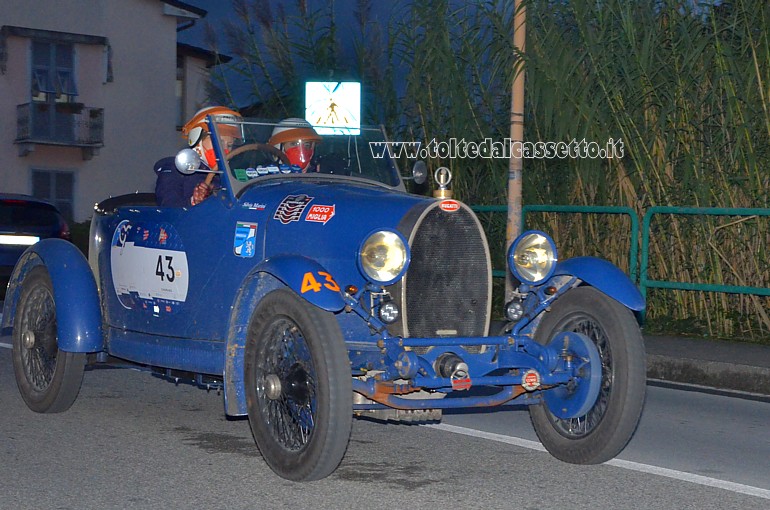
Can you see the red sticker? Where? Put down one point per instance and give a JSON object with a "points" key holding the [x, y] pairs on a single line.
{"points": [[530, 381], [449, 205], [320, 213], [462, 384]]}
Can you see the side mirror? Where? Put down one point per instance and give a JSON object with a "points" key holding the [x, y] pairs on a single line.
{"points": [[187, 161], [419, 172]]}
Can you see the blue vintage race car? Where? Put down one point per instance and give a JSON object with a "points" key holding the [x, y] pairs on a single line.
{"points": [[313, 297]]}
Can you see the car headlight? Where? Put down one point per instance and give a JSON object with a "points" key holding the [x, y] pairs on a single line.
{"points": [[384, 256], [532, 257]]}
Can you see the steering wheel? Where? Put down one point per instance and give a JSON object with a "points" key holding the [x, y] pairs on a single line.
{"points": [[261, 147]]}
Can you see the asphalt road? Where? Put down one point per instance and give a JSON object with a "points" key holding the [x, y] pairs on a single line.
{"points": [[134, 441]]}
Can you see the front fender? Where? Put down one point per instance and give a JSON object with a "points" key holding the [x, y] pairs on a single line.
{"points": [[605, 277], [78, 312], [307, 278]]}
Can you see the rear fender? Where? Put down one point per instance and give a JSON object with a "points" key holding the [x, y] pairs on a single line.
{"points": [[605, 277], [78, 312]]}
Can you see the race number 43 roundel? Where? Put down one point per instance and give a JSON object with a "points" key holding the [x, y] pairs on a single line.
{"points": [[149, 267]]}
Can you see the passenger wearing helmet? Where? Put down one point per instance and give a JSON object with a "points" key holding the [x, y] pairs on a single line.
{"points": [[175, 189], [297, 139]]}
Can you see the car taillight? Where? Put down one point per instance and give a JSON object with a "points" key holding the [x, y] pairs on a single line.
{"points": [[64, 230]]}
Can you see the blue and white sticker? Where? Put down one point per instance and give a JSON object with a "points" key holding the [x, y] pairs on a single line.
{"points": [[149, 267], [245, 241]]}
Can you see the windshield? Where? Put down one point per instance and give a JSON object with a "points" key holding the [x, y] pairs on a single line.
{"points": [[251, 159]]}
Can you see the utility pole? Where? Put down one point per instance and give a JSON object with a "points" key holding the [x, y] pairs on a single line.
{"points": [[513, 227]]}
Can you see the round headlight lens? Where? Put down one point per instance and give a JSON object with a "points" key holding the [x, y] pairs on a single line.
{"points": [[384, 256], [533, 257]]}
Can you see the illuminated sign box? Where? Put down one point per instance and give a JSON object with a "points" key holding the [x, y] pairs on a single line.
{"points": [[333, 107]]}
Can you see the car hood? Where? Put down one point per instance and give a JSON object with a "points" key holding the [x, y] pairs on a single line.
{"points": [[327, 221]]}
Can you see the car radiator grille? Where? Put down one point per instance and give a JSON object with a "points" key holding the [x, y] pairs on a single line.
{"points": [[448, 287]]}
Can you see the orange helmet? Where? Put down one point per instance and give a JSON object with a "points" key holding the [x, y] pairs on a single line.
{"points": [[196, 128], [289, 130]]}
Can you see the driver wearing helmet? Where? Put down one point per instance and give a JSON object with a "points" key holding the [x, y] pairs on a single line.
{"points": [[297, 139], [175, 189]]}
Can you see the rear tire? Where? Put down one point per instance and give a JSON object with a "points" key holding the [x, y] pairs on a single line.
{"points": [[299, 392], [48, 378], [606, 428]]}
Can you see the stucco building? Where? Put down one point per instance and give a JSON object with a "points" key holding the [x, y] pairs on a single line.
{"points": [[93, 92]]}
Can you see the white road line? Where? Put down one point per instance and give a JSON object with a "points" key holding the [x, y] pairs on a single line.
{"points": [[7, 346], [516, 441], [689, 477], [625, 464]]}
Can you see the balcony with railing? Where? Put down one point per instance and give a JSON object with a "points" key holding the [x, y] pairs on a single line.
{"points": [[62, 124]]}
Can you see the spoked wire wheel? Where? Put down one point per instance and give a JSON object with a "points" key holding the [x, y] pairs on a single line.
{"points": [[298, 387], [610, 421], [48, 379], [286, 385]]}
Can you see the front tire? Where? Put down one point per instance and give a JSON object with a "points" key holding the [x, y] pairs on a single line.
{"points": [[48, 379], [299, 392], [609, 424]]}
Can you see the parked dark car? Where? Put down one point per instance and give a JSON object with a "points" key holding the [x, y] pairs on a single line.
{"points": [[25, 220], [308, 298]]}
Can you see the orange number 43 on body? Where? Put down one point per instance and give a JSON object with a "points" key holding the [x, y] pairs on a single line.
{"points": [[309, 282]]}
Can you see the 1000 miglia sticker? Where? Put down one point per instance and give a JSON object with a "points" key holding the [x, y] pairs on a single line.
{"points": [[149, 267]]}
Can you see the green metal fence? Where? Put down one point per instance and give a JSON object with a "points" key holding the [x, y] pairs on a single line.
{"points": [[646, 283], [638, 274]]}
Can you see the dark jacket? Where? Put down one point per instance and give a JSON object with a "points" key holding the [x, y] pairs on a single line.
{"points": [[175, 189]]}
